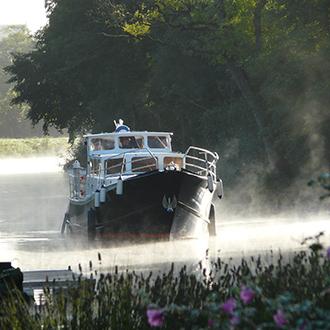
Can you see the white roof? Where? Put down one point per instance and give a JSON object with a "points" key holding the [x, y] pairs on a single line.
{"points": [[136, 152], [129, 133]]}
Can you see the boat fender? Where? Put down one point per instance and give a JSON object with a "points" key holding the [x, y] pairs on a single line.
{"points": [[219, 188], [210, 182], [103, 194], [119, 187], [97, 198]]}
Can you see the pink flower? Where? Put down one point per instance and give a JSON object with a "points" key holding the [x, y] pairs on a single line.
{"points": [[328, 253], [210, 323], [247, 295], [229, 305], [155, 317], [279, 318], [303, 326]]}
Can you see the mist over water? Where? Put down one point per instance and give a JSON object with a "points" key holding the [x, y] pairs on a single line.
{"points": [[33, 204], [32, 165]]}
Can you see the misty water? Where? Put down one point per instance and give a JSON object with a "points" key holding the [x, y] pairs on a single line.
{"points": [[33, 200]]}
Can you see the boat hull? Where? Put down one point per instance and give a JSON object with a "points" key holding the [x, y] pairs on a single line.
{"points": [[154, 205]]}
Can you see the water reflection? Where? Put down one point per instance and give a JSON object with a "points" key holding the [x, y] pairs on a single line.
{"points": [[49, 250]]}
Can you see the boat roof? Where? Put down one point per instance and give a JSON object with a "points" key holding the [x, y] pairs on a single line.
{"points": [[129, 133], [134, 152]]}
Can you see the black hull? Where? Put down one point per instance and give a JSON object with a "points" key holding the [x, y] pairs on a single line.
{"points": [[142, 211]]}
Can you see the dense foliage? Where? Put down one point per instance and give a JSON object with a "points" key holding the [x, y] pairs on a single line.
{"points": [[254, 294], [249, 79]]}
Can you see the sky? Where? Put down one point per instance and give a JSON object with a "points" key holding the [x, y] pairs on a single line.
{"points": [[29, 12]]}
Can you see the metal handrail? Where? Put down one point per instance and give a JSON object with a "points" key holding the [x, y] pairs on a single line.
{"points": [[209, 165], [141, 159], [201, 169], [141, 168], [132, 151], [213, 154], [125, 162]]}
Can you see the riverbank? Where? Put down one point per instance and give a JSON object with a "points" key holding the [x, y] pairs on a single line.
{"points": [[45, 146], [255, 294]]}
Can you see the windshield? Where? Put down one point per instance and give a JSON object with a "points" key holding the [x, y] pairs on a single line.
{"points": [[131, 142], [158, 142], [102, 143]]}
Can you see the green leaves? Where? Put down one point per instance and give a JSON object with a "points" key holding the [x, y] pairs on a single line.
{"points": [[249, 75]]}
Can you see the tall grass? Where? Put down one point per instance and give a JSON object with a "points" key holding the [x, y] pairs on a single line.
{"points": [[253, 294], [33, 146]]}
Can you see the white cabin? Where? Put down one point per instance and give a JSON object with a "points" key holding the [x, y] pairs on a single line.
{"points": [[120, 155], [130, 153]]}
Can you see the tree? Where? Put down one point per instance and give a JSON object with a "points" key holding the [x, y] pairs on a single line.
{"points": [[264, 47], [12, 117], [221, 73], [82, 74]]}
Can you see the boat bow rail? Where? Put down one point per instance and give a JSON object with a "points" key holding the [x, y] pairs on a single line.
{"points": [[202, 162]]}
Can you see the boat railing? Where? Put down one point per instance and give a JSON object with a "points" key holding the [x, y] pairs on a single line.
{"points": [[78, 183], [122, 166], [83, 183], [201, 161]]}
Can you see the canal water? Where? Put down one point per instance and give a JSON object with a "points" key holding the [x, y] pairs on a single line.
{"points": [[33, 200]]}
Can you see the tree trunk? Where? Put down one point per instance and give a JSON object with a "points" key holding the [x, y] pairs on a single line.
{"points": [[257, 23], [240, 78]]}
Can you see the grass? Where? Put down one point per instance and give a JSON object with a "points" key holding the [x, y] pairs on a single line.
{"points": [[33, 146], [251, 295]]}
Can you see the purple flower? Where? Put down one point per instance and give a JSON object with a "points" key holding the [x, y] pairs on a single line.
{"points": [[229, 305], [328, 253], [279, 318], [210, 323], [235, 320], [155, 317], [247, 295]]}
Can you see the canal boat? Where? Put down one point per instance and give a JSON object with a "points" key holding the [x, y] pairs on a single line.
{"points": [[135, 187]]}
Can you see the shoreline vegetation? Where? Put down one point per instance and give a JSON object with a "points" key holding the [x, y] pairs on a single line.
{"points": [[254, 294], [37, 146]]}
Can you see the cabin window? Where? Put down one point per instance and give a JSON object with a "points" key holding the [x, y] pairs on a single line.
{"points": [[131, 142], [102, 143], [114, 166], [158, 142], [143, 164]]}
